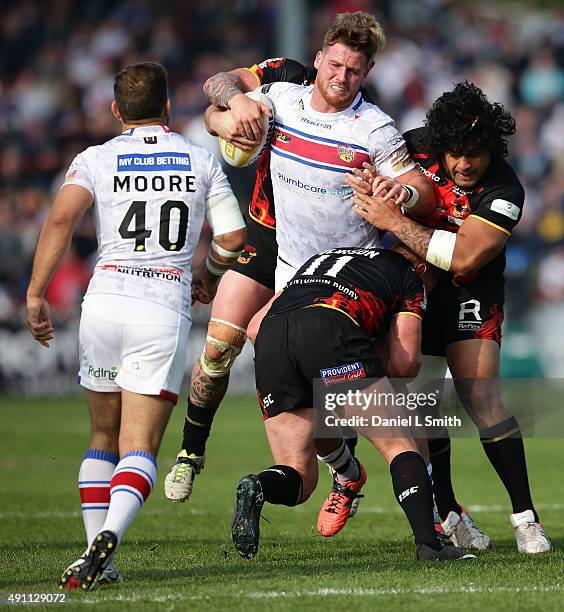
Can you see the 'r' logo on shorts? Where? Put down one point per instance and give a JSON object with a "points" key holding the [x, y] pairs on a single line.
{"points": [[470, 307]]}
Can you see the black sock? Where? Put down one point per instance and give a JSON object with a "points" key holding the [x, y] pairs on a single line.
{"points": [[197, 427], [439, 455], [412, 488], [503, 445], [281, 484], [351, 439]]}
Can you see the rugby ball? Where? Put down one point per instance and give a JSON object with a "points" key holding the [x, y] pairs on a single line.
{"points": [[238, 158]]}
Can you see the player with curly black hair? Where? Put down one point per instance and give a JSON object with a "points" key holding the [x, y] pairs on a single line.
{"points": [[464, 116], [462, 150]]}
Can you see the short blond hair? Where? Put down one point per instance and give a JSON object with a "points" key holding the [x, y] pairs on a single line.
{"points": [[359, 31]]}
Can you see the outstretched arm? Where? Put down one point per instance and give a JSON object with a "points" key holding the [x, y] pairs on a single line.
{"points": [[475, 244]]}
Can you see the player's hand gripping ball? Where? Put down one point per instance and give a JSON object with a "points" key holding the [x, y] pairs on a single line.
{"points": [[235, 156]]}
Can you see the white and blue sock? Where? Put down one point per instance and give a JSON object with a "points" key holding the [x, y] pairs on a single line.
{"points": [[132, 482], [94, 478]]}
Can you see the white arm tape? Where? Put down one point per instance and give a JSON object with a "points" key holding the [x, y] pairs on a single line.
{"points": [[223, 213], [224, 252], [441, 248], [413, 196], [215, 271]]}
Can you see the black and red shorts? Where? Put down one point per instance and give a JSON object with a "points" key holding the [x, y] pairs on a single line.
{"points": [[258, 259], [462, 311], [293, 348]]}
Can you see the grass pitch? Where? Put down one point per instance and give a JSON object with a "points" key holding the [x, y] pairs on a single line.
{"points": [[180, 556]]}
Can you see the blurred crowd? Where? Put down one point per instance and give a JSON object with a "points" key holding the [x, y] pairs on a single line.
{"points": [[58, 59]]}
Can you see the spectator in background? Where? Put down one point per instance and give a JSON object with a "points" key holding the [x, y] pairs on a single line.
{"points": [[57, 58]]}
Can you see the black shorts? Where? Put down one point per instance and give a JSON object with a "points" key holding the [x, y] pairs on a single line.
{"points": [[293, 348], [258, 260], [466, 312]]}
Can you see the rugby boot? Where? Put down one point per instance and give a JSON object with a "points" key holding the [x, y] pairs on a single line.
{"points": [[463, 532], [245, 530], [180, 480], [530, 535], [447, 552], [438, 524], [336, 509], [67, 581], [355, 503], [111, 575], [84, 573]]}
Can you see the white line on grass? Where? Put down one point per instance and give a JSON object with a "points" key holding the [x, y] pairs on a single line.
{"points": [[149, 598], [330, 592]]}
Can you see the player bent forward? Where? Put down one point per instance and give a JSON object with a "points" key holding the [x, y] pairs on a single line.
{"points": [[326, 317], [136, 313]]}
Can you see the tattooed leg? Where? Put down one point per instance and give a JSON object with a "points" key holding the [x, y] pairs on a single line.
{"points": [[206, 393], [210, 378]]}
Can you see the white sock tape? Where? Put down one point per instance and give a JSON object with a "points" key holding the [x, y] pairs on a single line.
{"points": [[224, 252], [215, 271]]}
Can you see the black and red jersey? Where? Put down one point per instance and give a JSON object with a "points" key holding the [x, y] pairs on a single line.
{"points": [[261, 207], [497, 200], [369, 286]]}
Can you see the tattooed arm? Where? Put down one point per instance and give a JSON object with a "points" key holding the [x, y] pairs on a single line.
{"points": [[227, 90], [221, 87]]}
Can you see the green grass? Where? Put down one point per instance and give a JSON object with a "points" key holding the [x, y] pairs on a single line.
{"points": [[180, 556]]}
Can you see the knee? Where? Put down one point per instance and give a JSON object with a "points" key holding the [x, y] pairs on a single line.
{"points": [[485, 410], [223, 343], [105, 439], [488, 416], [407, 367]]}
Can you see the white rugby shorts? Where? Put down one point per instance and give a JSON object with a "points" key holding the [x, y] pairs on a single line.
{"points": [[132, 344]]}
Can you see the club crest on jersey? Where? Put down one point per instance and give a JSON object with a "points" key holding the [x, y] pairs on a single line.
{"points": [[301, 105], [248, 253], [70, 175], [342, 373], [278, 135], [346, 153], [460, 208]]}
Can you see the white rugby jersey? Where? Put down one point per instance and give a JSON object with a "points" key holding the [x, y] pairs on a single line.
{"points": [[310, 154], [150, 187]]}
